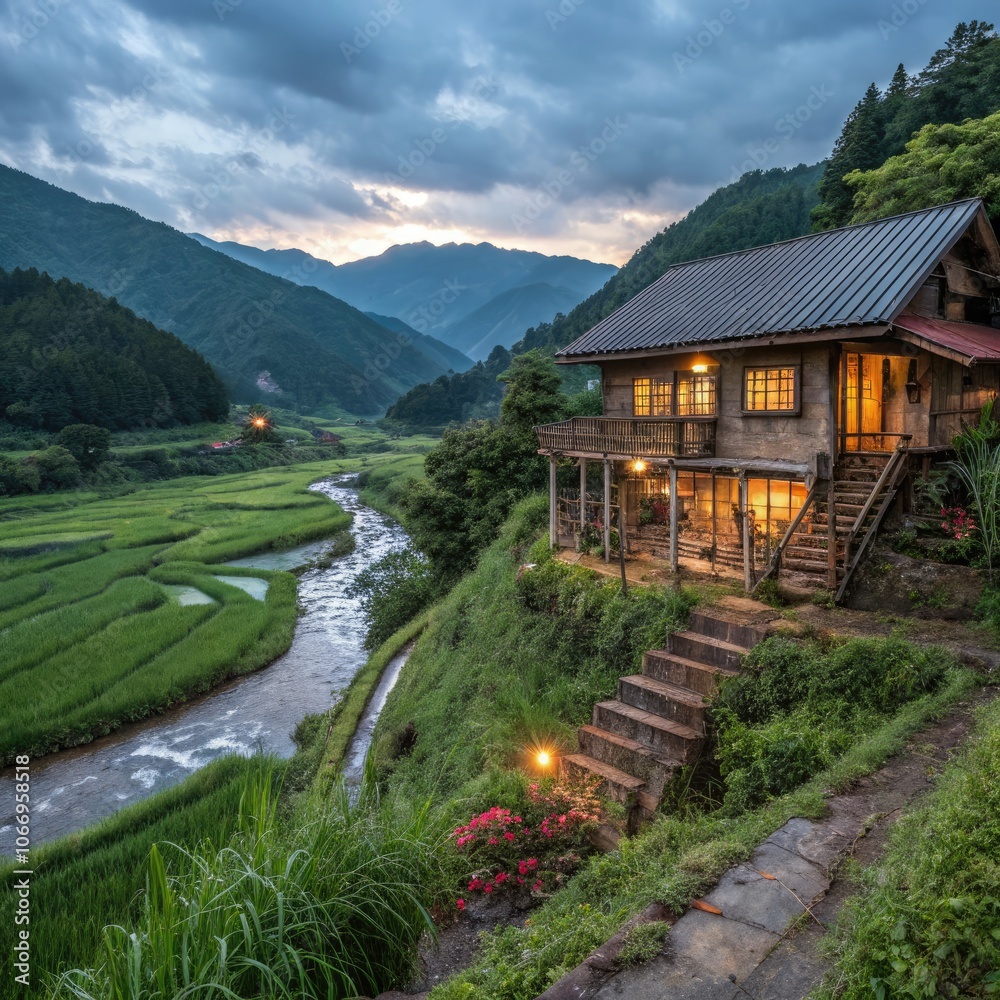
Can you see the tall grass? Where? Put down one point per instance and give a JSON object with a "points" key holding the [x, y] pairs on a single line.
{"points": [[97, 876], [328, 905]]}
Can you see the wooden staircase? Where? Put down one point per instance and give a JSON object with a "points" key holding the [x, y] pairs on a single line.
{"points": [[637, 741], [863, 488]]}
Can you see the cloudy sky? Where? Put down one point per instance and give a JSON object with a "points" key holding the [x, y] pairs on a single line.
{"points": [[343, 127]]}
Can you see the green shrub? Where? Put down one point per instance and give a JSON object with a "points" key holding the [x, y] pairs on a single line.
{"points": [[393, 591]]}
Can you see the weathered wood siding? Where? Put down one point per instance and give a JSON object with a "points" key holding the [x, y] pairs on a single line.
{"points": [[794, 438]]}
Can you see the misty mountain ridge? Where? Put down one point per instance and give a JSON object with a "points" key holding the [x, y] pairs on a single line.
{"points": [[318, 350], [459, 293]]}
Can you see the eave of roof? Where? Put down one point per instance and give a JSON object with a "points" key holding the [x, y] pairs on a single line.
{"points": [[968, 343], [857, 276]]}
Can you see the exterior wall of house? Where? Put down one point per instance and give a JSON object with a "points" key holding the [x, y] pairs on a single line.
{"points": [[794, 437], [956, 395]]}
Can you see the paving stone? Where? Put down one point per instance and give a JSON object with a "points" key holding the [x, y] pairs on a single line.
{"points": [[820, 843], [744, 894], [721, 947], [661, 978], [791, 970]]}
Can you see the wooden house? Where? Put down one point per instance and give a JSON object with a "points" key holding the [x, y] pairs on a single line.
{"points": [[764, 409]]}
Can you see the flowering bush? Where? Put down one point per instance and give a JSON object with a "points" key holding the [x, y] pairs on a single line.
{"points": [[533, 851], [957, 522]]}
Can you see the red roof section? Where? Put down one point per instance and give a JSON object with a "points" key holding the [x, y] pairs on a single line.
{"points": [[977, 343]]}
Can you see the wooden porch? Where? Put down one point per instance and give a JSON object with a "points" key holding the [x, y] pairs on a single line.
{"points": [[623, 438]]}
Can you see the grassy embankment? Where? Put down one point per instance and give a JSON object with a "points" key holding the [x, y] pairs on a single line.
{"points": [[502, 666], [927, 919]]}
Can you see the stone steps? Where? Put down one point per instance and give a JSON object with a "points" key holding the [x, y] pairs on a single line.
{"points": [[637, 741]]}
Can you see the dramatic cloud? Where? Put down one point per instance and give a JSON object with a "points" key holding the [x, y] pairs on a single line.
{"points": [[567, 126]]}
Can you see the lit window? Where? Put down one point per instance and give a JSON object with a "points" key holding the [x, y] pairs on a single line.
{"points": [[641, 388], [652, 397], [770, 390], [695, 395]]}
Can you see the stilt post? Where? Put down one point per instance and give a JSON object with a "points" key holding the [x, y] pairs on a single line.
{"points": [[674, 527], [607, 510], [553, 508]]}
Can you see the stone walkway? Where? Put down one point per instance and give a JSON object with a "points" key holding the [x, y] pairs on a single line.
{"points": [[776, 906]]}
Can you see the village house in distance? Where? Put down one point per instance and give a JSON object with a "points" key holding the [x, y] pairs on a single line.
{"points": [[764, 409]]}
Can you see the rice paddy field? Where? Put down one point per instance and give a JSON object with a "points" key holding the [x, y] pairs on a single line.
{"points": [[92, 632]]}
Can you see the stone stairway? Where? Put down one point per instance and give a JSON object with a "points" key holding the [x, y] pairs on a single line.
{"points": [[637, 741], [805, 561]]}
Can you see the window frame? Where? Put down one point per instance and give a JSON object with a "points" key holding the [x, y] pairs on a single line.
{"points": [[795, 410], [667, 386]]}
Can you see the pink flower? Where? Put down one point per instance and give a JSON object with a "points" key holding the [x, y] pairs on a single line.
{"points": [[488, 887], [460, 903], [508, 835], [537, 885]]}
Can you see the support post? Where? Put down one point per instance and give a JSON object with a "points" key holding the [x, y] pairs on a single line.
{"points": [[673, 519], [621, 547], [553, 508], [607, 511], [583, 495], [747, 540], [831, 536]]}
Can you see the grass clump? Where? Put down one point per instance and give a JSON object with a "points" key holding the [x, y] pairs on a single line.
{"points": [[328, 902], [927, 922], [507, 663], [643, 942], [794, 709]]}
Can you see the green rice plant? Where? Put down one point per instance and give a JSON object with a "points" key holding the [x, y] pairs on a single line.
{"points": [[78, 580], [20, 590], [329, 905], [97, 876], [37, 639], [67, 699]]}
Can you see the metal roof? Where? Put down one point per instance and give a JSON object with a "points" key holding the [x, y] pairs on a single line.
{"points": [[970, 341], [863, 274]]}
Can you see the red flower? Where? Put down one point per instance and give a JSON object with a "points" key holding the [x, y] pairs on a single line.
{"points": [[460, 903], [488, 887]]}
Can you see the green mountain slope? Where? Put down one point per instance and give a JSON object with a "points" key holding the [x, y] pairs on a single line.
{"points": [[761, 207], [458, 292], [318, 350], [69, 355]]}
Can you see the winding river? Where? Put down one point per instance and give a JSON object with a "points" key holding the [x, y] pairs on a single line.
{"points": [[77, 787]]}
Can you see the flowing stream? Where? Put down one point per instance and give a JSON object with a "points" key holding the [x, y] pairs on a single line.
{"points": [[77, 787]]}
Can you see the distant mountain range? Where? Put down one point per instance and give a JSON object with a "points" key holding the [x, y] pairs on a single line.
{"points": [[471, 296], [269, 338]]}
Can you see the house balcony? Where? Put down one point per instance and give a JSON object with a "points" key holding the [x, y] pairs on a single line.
{"points": [[623, 438]]}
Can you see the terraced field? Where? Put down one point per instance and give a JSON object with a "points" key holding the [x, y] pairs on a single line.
{"points": [[92, 634]]}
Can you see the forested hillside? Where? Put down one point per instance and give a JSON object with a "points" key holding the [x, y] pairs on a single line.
{"points": [[69, 355], [961, 80], [318, 350], [761, 207]]}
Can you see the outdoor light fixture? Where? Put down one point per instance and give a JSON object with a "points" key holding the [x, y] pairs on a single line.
{"points": [[638, 465], [912, 385], [544, 758], [699, 369]]}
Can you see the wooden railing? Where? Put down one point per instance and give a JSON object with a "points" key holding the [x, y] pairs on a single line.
{"points": [[775, 565], [878, 443], [885, 490], [623, 437]]}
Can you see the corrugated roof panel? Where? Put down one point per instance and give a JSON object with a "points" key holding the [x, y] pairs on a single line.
{"points": [[859, 275], [975, 342]]}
